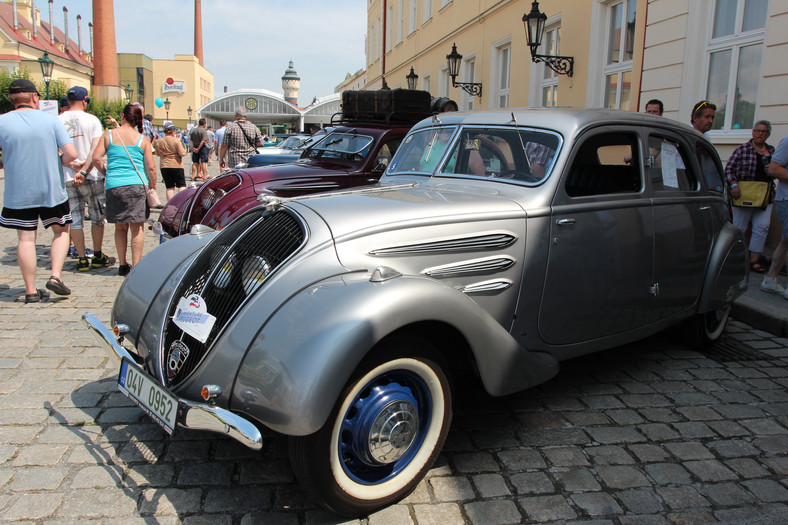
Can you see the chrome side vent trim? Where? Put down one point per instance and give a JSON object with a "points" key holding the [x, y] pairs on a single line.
{"points": [[490, 241], [487, 286], [484, 265]]}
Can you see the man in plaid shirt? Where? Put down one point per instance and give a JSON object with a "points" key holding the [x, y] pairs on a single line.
{"points": [[240, 141]]}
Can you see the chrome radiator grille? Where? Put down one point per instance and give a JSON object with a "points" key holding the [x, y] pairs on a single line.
{"points": [[228, 271]]}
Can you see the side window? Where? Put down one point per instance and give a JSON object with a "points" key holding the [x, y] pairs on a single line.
{"points": [[668, 166], [607, 163], [710, 168]]}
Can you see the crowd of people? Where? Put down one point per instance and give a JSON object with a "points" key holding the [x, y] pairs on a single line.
{"points": [[66, 170]]}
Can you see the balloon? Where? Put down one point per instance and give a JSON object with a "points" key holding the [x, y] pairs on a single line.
{"points": [[159, 102]]}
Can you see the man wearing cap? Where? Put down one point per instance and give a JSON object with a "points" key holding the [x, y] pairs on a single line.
{"points": [[240, 140], [198, 138], [85, 186], [171, 151], [34, 186]]}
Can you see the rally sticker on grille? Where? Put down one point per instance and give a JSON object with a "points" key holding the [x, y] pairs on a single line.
{"points": [[192, 317]]}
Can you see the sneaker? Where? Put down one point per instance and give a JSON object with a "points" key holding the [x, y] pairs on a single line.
{"points": [[102, 261], [72, 252], [771, 285], [88, 252], [124, 269], [83, 265]]}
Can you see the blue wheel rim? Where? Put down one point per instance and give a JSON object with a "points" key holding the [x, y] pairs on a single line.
{"points": [[396, 386]]}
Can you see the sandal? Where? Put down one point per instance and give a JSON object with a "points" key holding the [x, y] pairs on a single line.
{"points": [[57, 286], [37, 297], [757, 267]]}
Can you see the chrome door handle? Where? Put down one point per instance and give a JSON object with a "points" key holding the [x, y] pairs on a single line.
{"points": [[705, 208], [565, 222]]}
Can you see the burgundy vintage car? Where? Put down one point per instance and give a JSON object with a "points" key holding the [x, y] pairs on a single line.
{"points": [[354, 153]]}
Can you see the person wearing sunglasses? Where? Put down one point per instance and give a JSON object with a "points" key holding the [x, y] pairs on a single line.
{"points": [[702, 117]]}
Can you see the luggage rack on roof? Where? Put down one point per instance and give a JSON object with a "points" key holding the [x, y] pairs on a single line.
{"points": [[385, 106]]}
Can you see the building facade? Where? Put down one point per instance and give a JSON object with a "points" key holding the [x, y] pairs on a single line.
{"points": [[185, 84]]}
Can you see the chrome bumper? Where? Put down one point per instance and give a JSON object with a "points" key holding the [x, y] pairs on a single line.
{"points": [[199, 416]]}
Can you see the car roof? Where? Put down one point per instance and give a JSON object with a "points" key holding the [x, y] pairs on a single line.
{"points": [[564, 120]]}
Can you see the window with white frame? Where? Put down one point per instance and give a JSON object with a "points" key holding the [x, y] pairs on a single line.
{"points": [[468, 75], [735, 51], [400, 20], [427, 12], [619, 50], [413, 10], [502, 54], [549, 78], [425, 83], [444, 82], [389, 26]]}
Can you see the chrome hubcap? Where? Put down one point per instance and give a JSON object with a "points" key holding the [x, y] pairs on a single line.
{"points": [[393, 431]]}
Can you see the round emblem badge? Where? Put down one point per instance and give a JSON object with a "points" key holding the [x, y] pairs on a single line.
{"points": [[178, 354], [251, 103]]}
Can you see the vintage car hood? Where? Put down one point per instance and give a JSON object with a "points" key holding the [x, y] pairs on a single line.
{"points": [[411, 205], [264, 175]]}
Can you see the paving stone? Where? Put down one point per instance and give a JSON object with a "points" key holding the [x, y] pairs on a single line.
{"points": [[493, 512], [439, 514], [648, 453], [248, 519], [475, 462], [532, 483], [169, 500], [764, 427], [393, 514], [733, 448], [244, 499], [710, 470], [160, 475], [727, 494], [733, 411], [694, 430], [684, 497], [602, 402], [668, 474], [658, 432], [625, 417], [490, 485], [689, 450], [609, 455], [547, 508], [610, 435], [565, 456], [639, 501], [620, 477], [577, 480], [521, 459], [32, 506], [586, 419], [37, 478], [728, 428], [92, 503], [596, 503], [452, 488], [773, 445], [98, 477], [39, 455], [779, 465], [548, 437], [698, 413], [208, 473], [660, 415], [767, 490], [645, 400]]}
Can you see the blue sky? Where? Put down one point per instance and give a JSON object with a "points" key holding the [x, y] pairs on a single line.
{"points": [[246, 43]]}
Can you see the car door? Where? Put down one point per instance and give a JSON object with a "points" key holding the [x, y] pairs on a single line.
{"points": [[683, 223], [600, 260]]}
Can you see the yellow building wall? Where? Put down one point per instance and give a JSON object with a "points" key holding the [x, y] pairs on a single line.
{"points": [[476, 27], [198, 89]]}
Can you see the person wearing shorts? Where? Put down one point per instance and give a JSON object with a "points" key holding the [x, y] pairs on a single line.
{"points": [[171, 151], [198, 138], [34, 187], [778, 168]]}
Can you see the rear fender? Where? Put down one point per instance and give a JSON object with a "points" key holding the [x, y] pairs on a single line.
{"points": [[299, 362], [726, 278]]}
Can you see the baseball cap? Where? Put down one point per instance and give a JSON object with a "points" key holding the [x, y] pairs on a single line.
{"points": [[170, 127], [22, 85], [78, 93]]}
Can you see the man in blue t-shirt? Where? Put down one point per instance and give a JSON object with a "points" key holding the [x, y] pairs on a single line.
{"points": [[778, 168], [34, 186]]}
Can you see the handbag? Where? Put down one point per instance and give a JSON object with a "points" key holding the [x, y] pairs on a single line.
{"points": [[754, 194], [151, 197]]}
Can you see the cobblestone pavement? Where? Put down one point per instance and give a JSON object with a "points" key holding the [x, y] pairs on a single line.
{"points": [[652, 432]]}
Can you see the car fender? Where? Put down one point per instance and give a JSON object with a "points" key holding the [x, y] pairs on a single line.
{"points": [[726, 277], [296, 366]]}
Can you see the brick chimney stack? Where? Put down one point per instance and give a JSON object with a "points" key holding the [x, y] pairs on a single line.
{"points": [[105, 61], [198, 32]]}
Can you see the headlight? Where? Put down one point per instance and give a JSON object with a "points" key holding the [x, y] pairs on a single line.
{"points": [[211, 197], [254, 272], [224, 273]]}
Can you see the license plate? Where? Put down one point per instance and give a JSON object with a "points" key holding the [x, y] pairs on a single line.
{"points": [[150, 396]]}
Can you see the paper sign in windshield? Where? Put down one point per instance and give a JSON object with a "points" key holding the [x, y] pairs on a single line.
{"points": [[192, 317]]}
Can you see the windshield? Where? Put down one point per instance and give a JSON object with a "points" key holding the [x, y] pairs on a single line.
{"points": [[505, 152], [291, 142], [342, 146]]}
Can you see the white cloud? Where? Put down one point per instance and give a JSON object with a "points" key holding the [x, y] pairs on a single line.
{"points": [[246, 43]]}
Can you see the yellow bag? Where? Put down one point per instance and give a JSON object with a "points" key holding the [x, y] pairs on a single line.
{"points": [[754, 194]]}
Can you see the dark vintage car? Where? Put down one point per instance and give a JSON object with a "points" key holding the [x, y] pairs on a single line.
{"points": [[352, 154], [497, 245]]}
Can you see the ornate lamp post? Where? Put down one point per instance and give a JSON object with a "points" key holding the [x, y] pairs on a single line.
{"points": [[534, 29], [129, 92], [189, 111], [46, 69], [412, 78], [453, 59], [167, 107]]}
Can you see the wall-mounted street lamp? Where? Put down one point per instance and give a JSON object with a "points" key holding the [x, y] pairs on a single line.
{"points": [[167, 107], [412, 78], [46, 70], [534, 29], [189, 112], [453, 59], [129, 92]]}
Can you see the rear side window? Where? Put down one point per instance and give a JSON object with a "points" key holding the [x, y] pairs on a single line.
{"points": [[669, 166], [709, 167], [606, 163]]}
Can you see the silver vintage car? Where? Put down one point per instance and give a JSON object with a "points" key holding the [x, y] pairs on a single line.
{"points": [[496, 245]]}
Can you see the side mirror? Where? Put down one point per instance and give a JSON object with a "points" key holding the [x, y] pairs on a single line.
{"points": [[381, 165]]}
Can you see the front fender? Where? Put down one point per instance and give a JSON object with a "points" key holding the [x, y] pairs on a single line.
{"points": [[303, 356], [726, 278]]}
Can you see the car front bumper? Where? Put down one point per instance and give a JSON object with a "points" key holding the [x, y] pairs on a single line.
{"points": [[191, 414]]}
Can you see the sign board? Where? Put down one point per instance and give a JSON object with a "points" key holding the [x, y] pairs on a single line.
{"points": [[49, 106], [178, 86]]}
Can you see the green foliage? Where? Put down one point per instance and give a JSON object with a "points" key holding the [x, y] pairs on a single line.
{"points": [[104, 108], [6, 78]]}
